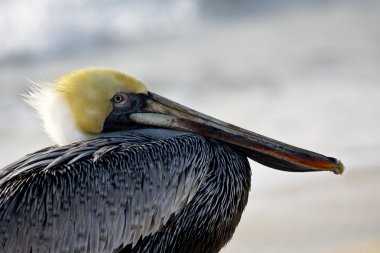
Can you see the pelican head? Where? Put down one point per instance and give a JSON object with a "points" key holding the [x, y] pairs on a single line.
{"points": [[89, 102], [75, 106]]}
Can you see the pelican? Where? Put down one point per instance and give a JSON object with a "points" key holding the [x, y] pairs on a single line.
{"points": [[132, 171]]}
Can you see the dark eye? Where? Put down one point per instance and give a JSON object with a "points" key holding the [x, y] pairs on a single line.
{"points": [[119, 98]]}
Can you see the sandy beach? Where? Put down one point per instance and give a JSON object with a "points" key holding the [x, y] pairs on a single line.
{"points": [[308, 76]]}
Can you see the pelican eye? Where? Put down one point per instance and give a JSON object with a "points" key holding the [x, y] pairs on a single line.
{"points": [[120, 98]]}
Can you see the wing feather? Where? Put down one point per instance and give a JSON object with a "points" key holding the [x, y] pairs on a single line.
{"points": [[99, 195]]}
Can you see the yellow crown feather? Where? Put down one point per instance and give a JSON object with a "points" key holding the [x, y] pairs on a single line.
{"points": [[89, 92]]}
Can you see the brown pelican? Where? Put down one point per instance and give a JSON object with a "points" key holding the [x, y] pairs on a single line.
{"points": [[132, 172]]}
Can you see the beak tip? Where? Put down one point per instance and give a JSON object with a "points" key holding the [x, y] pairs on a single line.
{"points": [[339, 168]]}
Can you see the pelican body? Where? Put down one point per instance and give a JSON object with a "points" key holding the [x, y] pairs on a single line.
{"points": [[132, 172]]}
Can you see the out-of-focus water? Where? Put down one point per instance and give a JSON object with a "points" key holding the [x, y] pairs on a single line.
{"points": [[305, 73], [44, 28]]}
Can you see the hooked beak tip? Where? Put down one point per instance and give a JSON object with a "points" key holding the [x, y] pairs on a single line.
{"points": [[339, 168]]}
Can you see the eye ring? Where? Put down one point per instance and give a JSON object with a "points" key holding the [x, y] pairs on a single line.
{"points": [[119, 98]]}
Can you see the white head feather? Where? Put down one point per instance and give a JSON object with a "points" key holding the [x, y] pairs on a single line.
{"points": [[54, 111]]}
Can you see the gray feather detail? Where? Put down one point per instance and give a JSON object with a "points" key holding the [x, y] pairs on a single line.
{"points": [[100, 194]]}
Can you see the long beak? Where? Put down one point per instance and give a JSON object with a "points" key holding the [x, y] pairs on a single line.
{"points": [[164, 113]]}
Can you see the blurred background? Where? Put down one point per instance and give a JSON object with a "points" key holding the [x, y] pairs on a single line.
{"points": [[304, 72]]}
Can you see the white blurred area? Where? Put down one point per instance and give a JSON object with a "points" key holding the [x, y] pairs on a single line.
{"points": [[304, 72]]}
